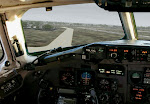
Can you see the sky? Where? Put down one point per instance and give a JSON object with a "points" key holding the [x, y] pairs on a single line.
{"points": [[82, 13]]}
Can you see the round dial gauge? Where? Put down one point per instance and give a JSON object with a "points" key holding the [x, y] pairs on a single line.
{"points": [[135, 77], [104, 84], [67, 78]]}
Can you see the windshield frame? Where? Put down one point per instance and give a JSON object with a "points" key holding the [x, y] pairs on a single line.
{"points": [[3, 54]]}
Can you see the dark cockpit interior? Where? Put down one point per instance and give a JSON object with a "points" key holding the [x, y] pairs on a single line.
{"points": [[112, 72]]}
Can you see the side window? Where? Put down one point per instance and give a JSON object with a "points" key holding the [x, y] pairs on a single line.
{"points": [[143, 26]]}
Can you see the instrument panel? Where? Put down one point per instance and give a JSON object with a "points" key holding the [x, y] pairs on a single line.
{"points": [[127, 65], [100, 73], [118, 73], [105, 83], [119, 53]]}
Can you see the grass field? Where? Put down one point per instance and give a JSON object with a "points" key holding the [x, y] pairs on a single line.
{"points": [[37, 38], [83, 33]]}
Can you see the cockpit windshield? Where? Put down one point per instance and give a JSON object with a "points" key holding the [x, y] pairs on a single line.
{"points": [[143, 25], [69, 26]]}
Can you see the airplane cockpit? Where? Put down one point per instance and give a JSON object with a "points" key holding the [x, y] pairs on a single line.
{"points": [[54, 59]]}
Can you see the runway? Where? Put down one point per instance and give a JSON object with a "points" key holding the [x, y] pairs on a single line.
{"points": [[63, 40]]}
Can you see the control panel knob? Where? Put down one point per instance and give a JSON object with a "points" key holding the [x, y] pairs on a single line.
{"points": [[7, 63], [113, 55], [104, 97]]}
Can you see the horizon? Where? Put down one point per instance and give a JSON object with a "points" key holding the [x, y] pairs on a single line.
{"points": [[88, 13], [78, 23]]}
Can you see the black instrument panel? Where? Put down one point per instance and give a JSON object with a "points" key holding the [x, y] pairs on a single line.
{"points": [[109, 86], [119, 53], [99, 73], [118, 73], [127, 64]]}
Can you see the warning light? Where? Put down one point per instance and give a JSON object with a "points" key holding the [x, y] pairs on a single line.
{"points": [[138, 98], [111, 50], [141, 89], [126, 51], [138, 95], [108, 72], [115, 50], [135, 89], [144, 52]]}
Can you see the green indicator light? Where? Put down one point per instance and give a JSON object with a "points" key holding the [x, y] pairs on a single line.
{"points": [[101, 50]]}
